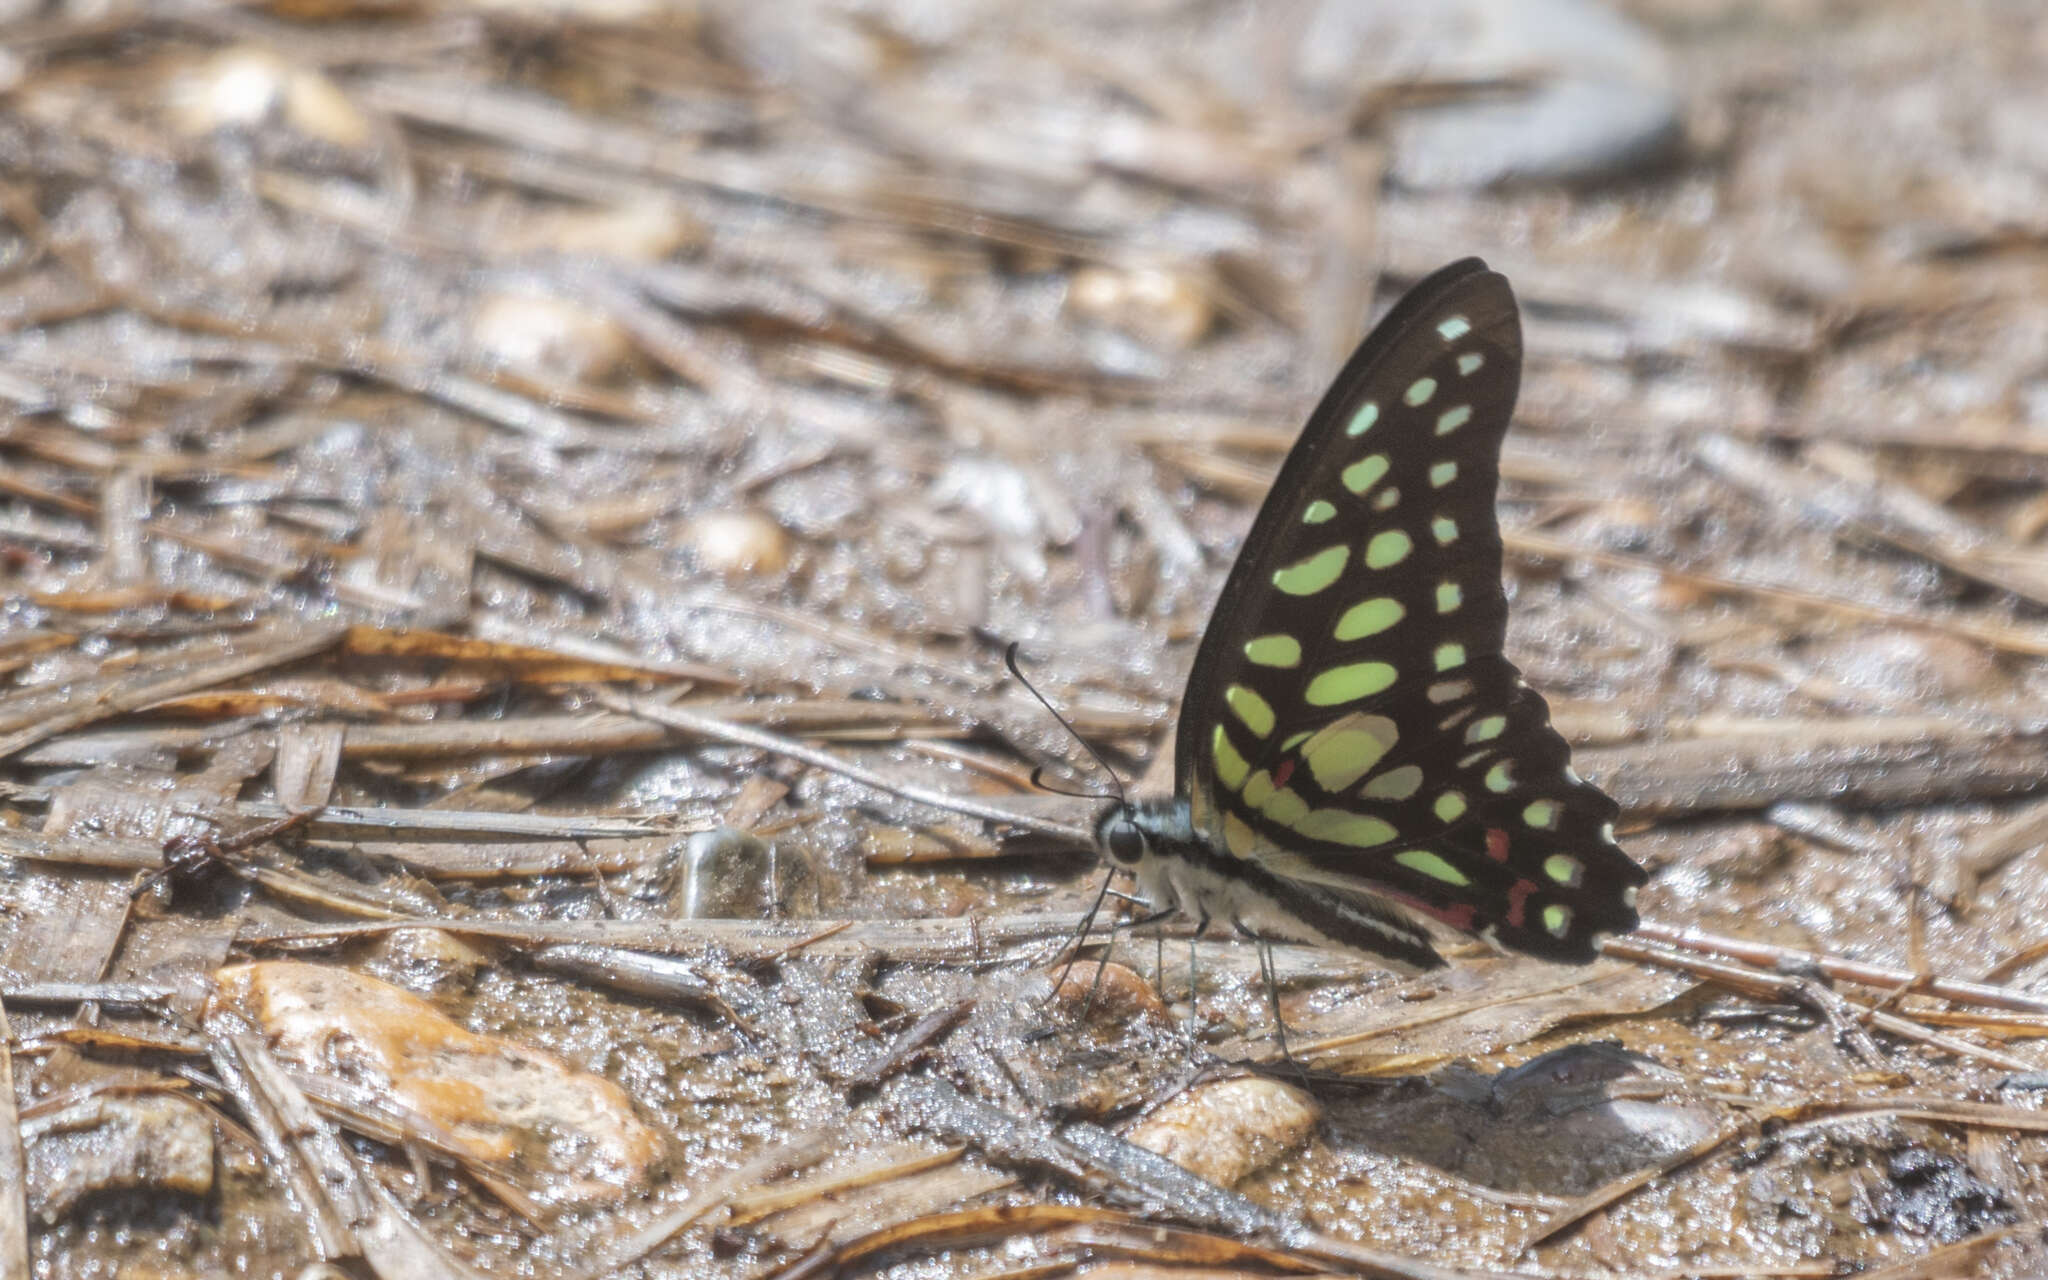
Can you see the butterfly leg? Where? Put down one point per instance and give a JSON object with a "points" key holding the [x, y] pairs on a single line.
{"points": [[1194, 1001], [1270, 973], [1080, 939], [1159, 959], [1109, 951]]}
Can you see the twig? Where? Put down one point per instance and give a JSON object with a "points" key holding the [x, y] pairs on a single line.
{"points": [[1883, 977], [137, 994], [286, 644], [2010, 639], [1778, 987], [916, 1040], [1604, 1198], [622, 1252], [757, 1205], [14, 1252], [721, 731], [1954, 1259]]}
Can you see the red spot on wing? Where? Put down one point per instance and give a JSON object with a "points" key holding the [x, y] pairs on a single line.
{"points": [[1458, 917], [1518, 898], [1283, 771], [1496, 844]]}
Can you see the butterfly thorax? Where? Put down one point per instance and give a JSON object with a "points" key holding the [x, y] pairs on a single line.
{"points": [[1179, 867]]}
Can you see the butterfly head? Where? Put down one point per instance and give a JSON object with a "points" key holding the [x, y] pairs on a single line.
{"points": [[1127, 831], [1118, 835]]}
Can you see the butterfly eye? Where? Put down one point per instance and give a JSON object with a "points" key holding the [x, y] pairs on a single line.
{"points": [[1126, 843]]}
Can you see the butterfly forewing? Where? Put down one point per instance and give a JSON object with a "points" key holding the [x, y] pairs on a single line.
{"points": [[1351, 723]]}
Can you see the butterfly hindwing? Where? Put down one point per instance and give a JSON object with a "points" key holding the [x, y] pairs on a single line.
{"points": [[1351, 723]]}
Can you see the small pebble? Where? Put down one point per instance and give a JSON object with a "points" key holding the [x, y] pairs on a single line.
{"points": [[1159, 306], [649, 230], [548, 335], [1602, 99], [507, 1104], [1227, 1129], [1121, 995], [427, 960], [734, 544], [246, 86]]}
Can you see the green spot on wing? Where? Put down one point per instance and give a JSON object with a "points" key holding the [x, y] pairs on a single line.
{"points": [[1368, 618], [1258, 789], [1255, 711], [1365, 473], [1451, 419], [1338, 757], [1499, 779], [1348, 683], [1562, 869], [1361, 422], [1454, 327], [1277, 650], [1285, 807], [1445, 529], [1230, 766], [1448, 597], [1387, 549], [1449, 656], [1341, 826], [1442, 474], [1308, 576], [1419, 392], [1468, 364], [1318, 511], [1540, 813], [1432, 865], [1557, 919], [1450, 806], [1486, 728], [1394, 784]]}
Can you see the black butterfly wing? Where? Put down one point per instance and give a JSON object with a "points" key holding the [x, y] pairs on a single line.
{"points": [[1351, 723]]}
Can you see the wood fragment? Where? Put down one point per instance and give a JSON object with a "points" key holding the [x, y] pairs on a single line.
{"points": [[352, 1215], [14, 1237], [1865, 763], [274, 647]]}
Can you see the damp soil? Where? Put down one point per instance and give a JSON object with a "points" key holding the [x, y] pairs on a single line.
{"points": [[467, 431]]}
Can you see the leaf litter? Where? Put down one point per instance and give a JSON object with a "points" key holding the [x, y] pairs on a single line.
{"points": [[486, 491]]}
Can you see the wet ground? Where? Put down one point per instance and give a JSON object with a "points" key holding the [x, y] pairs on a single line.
{"points": [[438, 444]]}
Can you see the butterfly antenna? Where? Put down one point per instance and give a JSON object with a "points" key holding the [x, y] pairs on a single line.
{"points": [[1038, 781], [1010, 661]]}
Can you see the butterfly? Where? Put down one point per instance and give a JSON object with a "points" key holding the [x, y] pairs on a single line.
{"points": [[1354, 749]]}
